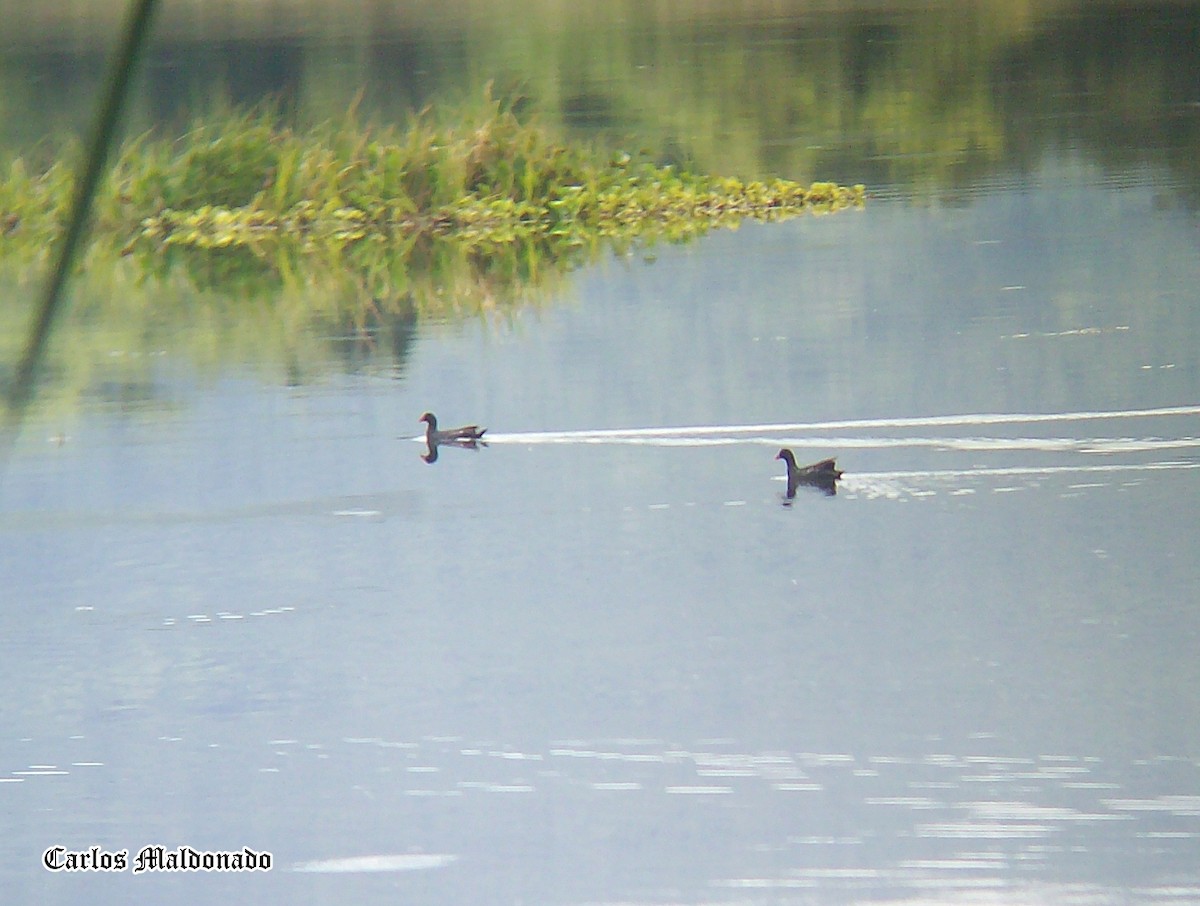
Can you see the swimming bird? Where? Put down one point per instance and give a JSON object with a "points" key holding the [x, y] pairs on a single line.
{"points": [[821, 474], [467, 433]]}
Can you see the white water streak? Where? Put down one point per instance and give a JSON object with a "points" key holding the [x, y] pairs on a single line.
{"points": [[1091, 445], [397, 862], [1019, 471], [725, 434]]}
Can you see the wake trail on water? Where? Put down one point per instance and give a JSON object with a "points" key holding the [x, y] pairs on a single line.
{"points": [[718, 435], [1025, 470]]}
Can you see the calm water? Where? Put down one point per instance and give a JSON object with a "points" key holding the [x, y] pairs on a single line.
{"points": [[600, 661]]}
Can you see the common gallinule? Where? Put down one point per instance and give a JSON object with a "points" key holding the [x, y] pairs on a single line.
{"points": [[434, 435], [821, 474]]}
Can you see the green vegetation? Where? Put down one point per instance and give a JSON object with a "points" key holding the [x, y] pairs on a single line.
{"points": [[248, 239], [347, 195], [929, 99]]}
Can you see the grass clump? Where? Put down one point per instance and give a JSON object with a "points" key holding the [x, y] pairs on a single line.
{"points": [[248, 181], [236, 239]]}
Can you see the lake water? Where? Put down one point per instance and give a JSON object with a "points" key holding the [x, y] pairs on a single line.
{"points": [[600, 660]]}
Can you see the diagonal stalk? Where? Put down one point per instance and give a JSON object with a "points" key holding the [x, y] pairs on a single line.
{"points": [[136, 28]]}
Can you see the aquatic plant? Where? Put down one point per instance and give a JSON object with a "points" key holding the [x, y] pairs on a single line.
{"points": [[247, 180], [246, 232]]}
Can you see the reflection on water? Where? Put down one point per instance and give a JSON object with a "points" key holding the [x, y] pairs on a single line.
{"points": [[586, 672], [986, 102], [951, 821], [402, 862], [934, 99]]}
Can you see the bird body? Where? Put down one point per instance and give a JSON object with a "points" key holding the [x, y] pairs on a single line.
{"points": [[434, 435], [823, 474]]}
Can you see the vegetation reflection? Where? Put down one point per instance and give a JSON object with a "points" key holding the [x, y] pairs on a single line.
{"points": [[358, 230], [932, 100]]}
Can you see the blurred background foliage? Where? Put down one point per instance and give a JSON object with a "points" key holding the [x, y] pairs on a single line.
{"points": [[929, 98], [933, 102]]}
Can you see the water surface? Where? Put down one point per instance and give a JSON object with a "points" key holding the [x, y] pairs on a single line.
{"points": [[600, 660]]}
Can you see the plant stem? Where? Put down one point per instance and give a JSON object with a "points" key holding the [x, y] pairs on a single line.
{"points": [[107, 119]]}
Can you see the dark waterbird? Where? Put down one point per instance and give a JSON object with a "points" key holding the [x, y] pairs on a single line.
{"points": [[435, 435], [465, 438], [823, 474]]}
